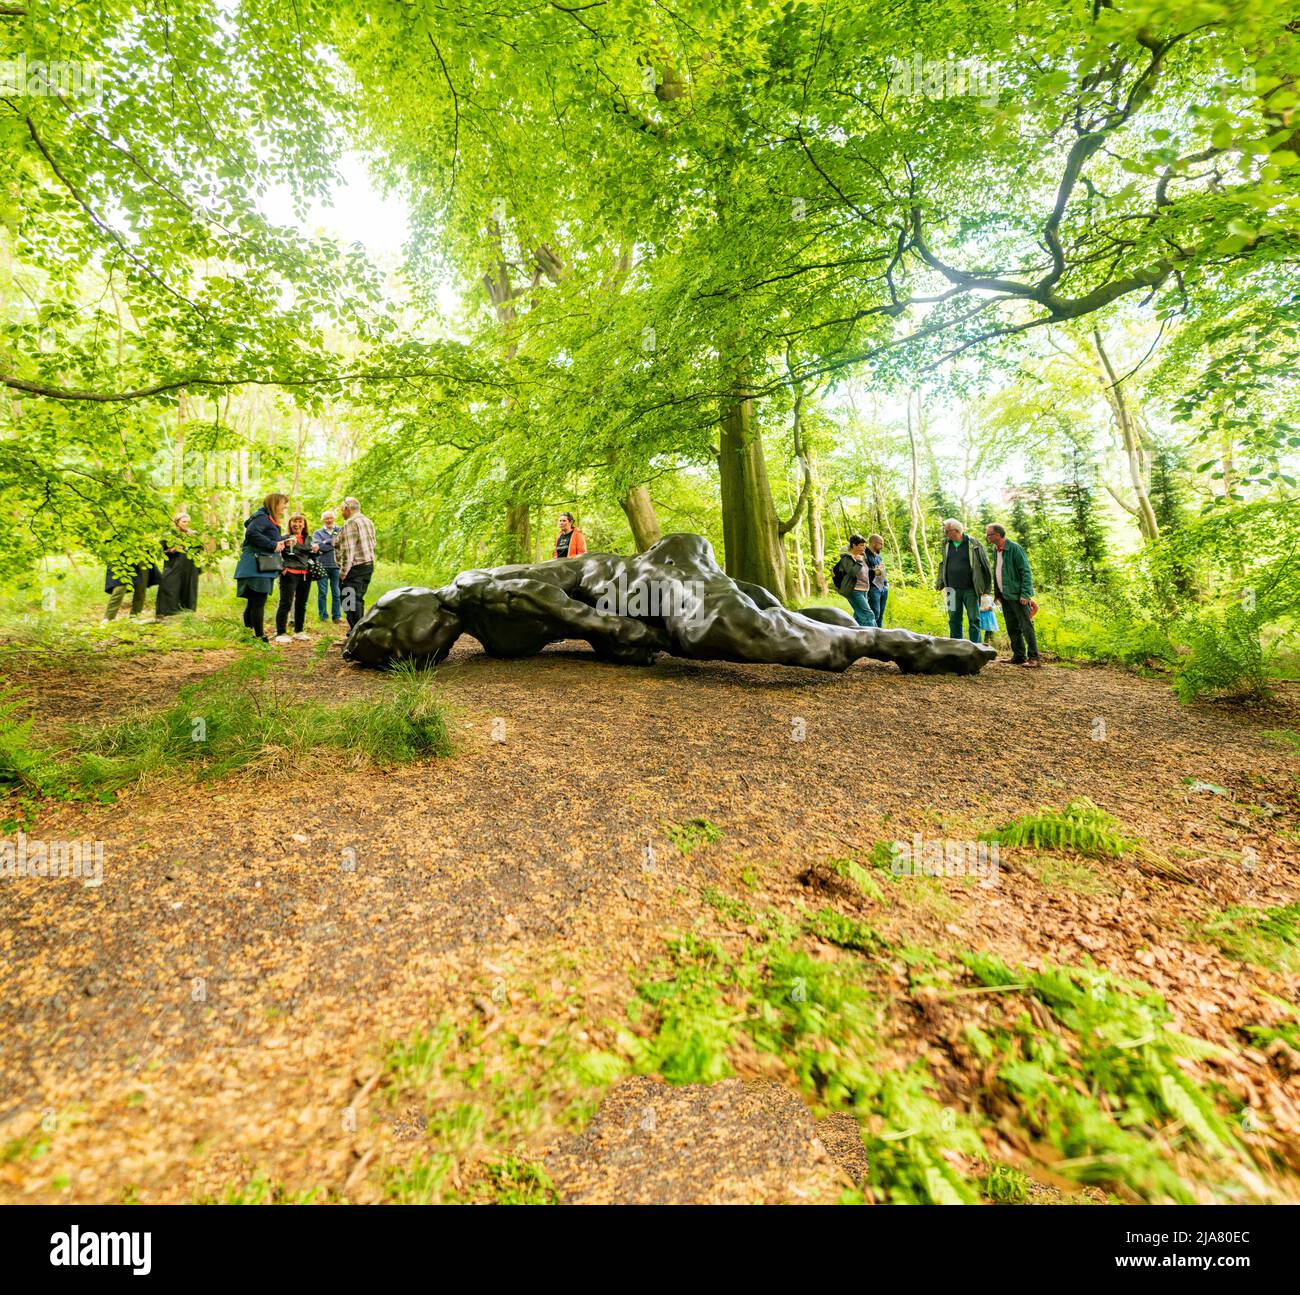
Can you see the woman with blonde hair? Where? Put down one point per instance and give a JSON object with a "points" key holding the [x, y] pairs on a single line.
{"points": [[260, 562], [178, 588]]}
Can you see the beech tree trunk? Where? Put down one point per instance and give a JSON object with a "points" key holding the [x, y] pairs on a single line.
{"points": [[519, 530], [639, 509], [886, 524], [914, 501], [816, 528], [501, 293], [800, 571], [750, 531]]}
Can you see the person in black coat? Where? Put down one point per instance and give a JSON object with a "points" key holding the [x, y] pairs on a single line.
{"points": [[253, 581], [178, 590], [142, 579]]}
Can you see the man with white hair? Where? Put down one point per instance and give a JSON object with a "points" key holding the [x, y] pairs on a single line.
{"points": [[324, 538], [965, 576], [355, 550]]}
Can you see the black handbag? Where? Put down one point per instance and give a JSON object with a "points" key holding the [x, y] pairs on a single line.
{"points": [[271, 563], [314, 570]]}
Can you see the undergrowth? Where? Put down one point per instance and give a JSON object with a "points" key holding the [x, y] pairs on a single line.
{"points": [[1268, 937], [820, 1019], [1076, 1070], [1091, 1072], [238, 718], [691, 834], [481, 1098], [1101, 1081]]}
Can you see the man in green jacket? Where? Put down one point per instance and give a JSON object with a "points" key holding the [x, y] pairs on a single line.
{"points": [[1014, 589], [965, 575]]}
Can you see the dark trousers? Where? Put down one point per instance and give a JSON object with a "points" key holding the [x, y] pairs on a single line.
{"points": [[293, 595], [354, 586], [1020, 629], [330, 581], [255, 614], [877, 598], [966, 600]]}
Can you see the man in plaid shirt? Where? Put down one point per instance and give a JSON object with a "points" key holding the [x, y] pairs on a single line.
{"points": [[355, 550]]}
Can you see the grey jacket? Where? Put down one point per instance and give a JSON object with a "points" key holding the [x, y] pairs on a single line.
{"points": [[981, 570], [845, 572]]}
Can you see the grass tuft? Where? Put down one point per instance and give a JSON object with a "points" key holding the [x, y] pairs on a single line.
{"points": [[238, 718], [691, 834]]}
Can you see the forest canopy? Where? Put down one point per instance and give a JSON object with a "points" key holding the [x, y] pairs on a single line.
{"points": [[770, 273]]}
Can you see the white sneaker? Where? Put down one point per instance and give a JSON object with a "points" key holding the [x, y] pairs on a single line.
{"points": [[303, 638], [282, 638]]}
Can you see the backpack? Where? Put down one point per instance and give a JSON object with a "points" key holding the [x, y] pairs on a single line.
{"points": [[843, 574]]}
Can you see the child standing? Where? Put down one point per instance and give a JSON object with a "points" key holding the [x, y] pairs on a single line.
{"points": [[988, 618]]}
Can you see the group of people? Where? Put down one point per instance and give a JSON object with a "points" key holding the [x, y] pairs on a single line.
{"points": [[177, 583], [280, 552], [859, 575], [972, 583], [338, 560]]}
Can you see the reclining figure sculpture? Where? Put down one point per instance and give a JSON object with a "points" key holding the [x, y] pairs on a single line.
{"points": [[672, 598]]}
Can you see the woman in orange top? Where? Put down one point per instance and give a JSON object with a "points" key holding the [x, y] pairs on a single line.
{"points": [[571, 540]]}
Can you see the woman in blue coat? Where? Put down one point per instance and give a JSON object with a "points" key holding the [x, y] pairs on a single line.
{"points": [[255, 580]]}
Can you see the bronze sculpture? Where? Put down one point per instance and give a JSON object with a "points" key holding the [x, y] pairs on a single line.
{"points": [[672, 598]]}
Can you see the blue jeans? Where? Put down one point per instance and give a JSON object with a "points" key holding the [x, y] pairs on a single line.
{"points": [[330, 578], [862, 612], [969, 601], [877, 599]]}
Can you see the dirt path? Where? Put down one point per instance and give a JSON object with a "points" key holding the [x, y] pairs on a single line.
{"points": [[213, 1010]]}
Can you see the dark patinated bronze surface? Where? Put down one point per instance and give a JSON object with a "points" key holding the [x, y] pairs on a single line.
{"points": [[672, 598]]}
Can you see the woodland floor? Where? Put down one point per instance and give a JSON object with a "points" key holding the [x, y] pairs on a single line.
{"points": [[215, 1013]]}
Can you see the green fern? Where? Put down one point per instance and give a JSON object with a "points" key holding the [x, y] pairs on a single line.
{"points": [[857, 875], [1081, 826], [843, 931], [1105, 1090], [1268, 937], [22, 764]]}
